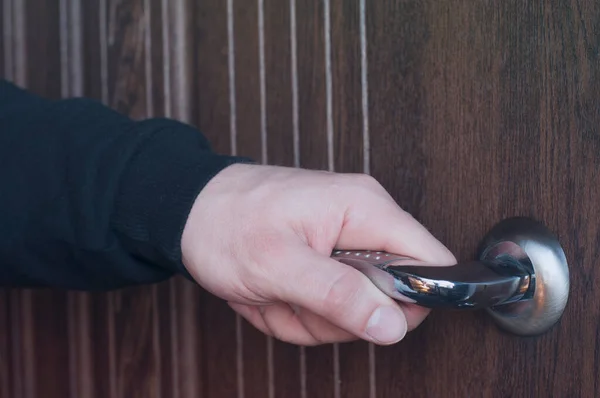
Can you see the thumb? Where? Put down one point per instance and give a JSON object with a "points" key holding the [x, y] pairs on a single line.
{"points": [[342, 295]]}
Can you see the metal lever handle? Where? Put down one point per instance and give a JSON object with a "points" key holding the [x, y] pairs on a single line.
{"points": [[477, 284], [521, 277]]}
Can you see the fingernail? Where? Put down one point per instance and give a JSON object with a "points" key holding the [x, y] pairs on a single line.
{"points": [[387, 325]]}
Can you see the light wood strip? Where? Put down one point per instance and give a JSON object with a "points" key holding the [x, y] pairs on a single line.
{"points": [[19, 43], [262, 77], [148, 62], [7, 23], [366, 152]]}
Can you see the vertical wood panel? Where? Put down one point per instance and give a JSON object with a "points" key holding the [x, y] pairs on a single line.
{"points": [[39, 318], [81, 358], [126, 73], [347, 91], [22, 344], [312, 126], [572, 72], [508, 71], [99, 334], [396, 32], [185, 341], [348, 148], [71, 47], [212, 116], [279, 100], [136, 369], [455, 115], [155, 73], [519, 105], [311, 89], [7, 40], [477, 112], [16, 43], [42, 43], [247, 82], [92, 47], [178, 58]]}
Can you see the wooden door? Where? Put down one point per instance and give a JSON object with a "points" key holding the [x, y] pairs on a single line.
{"points": [[467, 112]]}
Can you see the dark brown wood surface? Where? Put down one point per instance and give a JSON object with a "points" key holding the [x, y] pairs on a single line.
{"points": [[467, 112]]}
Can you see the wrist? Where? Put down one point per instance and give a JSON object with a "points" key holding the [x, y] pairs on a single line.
{"points": [[159, 187]]}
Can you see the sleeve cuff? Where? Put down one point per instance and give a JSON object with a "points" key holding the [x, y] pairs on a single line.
{"points": [[172, 165]]}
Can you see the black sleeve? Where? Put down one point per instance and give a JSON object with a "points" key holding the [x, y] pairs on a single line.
{"points": [[90, 199]]}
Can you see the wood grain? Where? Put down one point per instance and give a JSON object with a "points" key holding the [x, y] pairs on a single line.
{"points": [[476, 112], [125, 27], [396, 106], [39, 335], [91, 53], [42, 45]]}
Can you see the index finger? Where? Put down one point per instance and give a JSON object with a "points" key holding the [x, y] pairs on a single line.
{"points": [[380, 224]]}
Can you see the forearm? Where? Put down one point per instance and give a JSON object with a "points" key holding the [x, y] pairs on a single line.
{"points": [[90, 198]]}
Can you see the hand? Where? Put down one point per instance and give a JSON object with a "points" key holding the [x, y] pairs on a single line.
{"points": [[261, 238]]}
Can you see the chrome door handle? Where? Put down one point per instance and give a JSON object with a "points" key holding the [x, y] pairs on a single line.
{"points": [[521, 277]]}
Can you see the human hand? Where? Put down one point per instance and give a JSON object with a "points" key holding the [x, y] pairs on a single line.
{"points": [[261, 238]]}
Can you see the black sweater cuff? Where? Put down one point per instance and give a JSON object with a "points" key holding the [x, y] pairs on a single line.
{"points": [[159, 187]]}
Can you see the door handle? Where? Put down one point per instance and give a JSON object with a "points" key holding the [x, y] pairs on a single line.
{"points": [[520, 277]]}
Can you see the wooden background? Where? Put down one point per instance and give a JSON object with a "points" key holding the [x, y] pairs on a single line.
{"points": [[467, 112]]}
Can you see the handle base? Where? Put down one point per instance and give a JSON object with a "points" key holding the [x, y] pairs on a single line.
{"points": [[537, 249]]}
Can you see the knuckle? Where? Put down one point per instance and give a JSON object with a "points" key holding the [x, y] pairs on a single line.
{"points": [[367, 180]]}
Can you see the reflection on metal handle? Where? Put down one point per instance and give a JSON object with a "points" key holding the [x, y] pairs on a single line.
{"points": [[520, 277], [477, 284]]}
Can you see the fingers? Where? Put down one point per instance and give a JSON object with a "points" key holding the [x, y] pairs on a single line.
{"points": [[281, 322], [385, 226], [323, 330], [340, 294]]}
